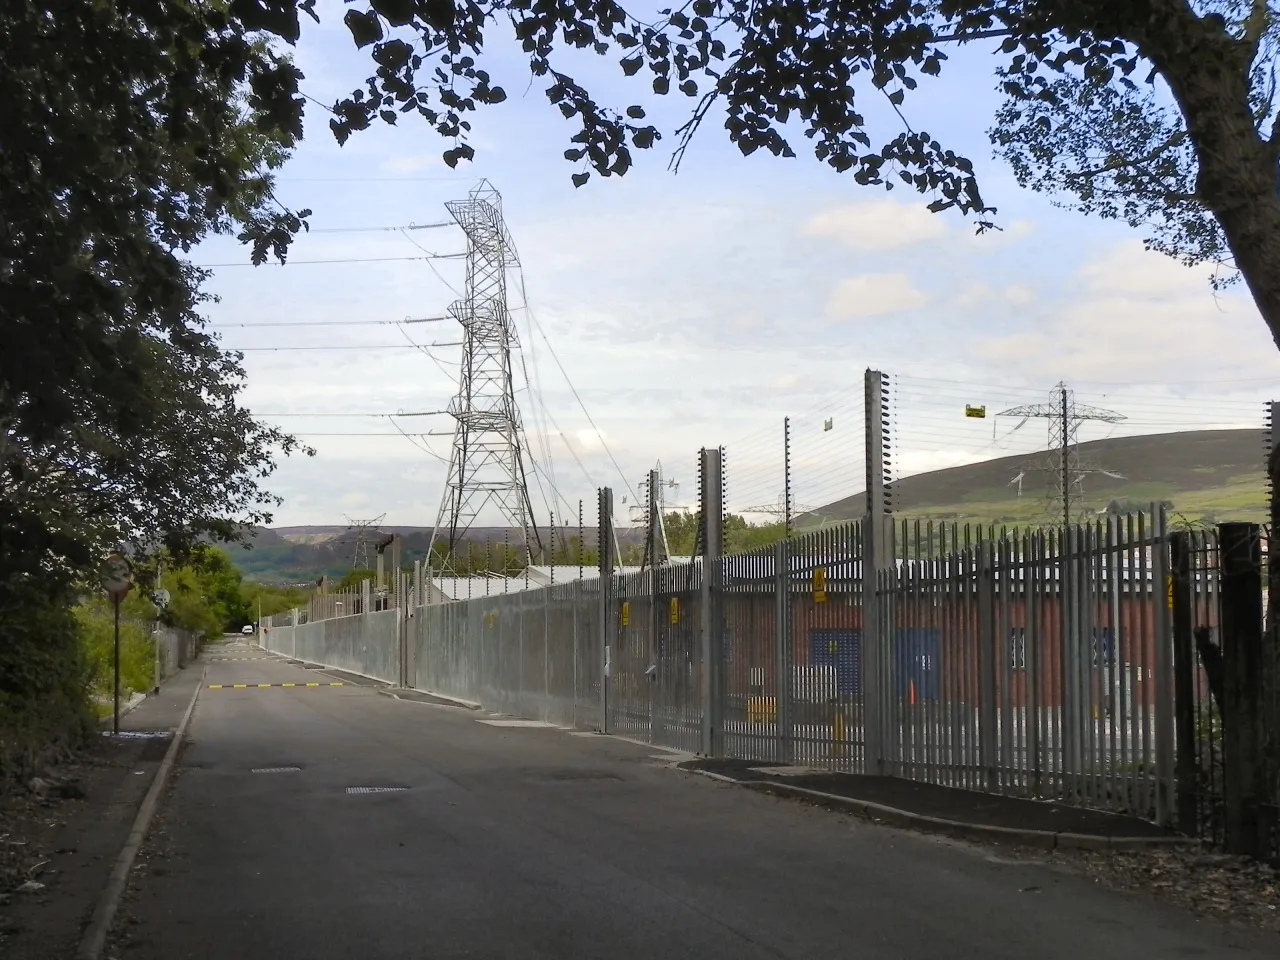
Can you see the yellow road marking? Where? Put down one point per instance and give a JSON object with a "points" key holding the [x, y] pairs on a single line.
{"points": [[260, 686]]}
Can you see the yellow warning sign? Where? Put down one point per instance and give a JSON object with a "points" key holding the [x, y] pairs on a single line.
{"points": [[1170, 579], [979, 413], [673, 609], [626, 613], [820, 585]]}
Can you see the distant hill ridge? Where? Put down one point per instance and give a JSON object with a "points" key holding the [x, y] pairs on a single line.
{"points": [[1214, 474]]}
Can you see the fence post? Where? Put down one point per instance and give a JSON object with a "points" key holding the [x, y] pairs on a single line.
{"points": [[1242, 661], [1184, 681], [608, 621], [712, 623], [1161, 582], [877, 558], [782, 687], [987, 729]]}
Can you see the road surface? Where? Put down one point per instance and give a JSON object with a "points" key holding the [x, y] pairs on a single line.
{"points": [[518, 842]]}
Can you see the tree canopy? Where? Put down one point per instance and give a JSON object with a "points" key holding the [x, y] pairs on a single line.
{"points": [[1158, 112], [131, 132]]}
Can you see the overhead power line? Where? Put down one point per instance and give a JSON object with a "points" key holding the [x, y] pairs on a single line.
{"points": [[301, 263], [353, 346], [411, 226], [330, 323]]}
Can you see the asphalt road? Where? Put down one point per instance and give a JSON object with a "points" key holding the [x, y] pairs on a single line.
{"points": [[525, 842]]}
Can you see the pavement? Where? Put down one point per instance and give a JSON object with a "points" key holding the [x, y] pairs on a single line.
{"points": [[477, 836]]}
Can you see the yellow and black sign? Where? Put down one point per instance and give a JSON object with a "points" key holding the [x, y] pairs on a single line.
{"points": [[673, 609], [626, 613], [259, 686], [979, 413], [491, 619], [1170, 579], [820, 585]]}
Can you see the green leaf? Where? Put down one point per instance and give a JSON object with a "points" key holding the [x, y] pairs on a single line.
{"points": [[365, 27], [631, 65], [635, 112], [580, 178], [397, 12], [661, 85]]}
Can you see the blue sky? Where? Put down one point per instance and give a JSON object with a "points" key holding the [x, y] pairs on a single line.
{"points": [[701, 308]]}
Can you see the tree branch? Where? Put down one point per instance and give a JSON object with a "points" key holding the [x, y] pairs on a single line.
{"points": [[1255, 27], [1171, 141], [975, 35]]}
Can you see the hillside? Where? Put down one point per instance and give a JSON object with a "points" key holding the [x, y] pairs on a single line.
{"points": [[300, 555], [1208, 475]]}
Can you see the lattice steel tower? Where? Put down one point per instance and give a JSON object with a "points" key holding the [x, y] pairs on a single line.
{"points": [[487, 464], [1062, 461], [366, 533]]}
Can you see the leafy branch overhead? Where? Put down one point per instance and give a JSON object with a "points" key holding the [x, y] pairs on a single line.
{"points": [[132, 131], [1158, 112]]}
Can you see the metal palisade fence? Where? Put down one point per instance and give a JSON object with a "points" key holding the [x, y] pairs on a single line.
{"points": [[1035, 663], [1087, 663]]}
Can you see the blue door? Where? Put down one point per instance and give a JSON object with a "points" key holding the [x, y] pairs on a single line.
{"points": [[839, 648], [915, 662]]}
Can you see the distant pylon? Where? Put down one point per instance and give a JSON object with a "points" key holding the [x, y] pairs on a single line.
{"points": [[1062, 460], [366, 533], [487, 463]]}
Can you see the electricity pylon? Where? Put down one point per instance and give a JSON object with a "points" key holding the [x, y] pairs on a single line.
{"points": [[1062, 461], [366, 531], [487, 463]]}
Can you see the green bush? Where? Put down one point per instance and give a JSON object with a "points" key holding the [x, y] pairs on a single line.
{"points": [[137, 649], [44, 677]]}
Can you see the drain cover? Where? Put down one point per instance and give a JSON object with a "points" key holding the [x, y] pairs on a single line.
{"points": [[276, 769], [375, 789]]}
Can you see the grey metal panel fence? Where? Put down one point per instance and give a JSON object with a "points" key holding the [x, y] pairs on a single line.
{"points": [[534, 653], [176, 649], [368, 645]]}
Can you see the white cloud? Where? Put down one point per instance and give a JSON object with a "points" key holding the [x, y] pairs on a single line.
{"points": [[979, 293], [878, 225], [873, 295], [1130, 315], [354, 499]]}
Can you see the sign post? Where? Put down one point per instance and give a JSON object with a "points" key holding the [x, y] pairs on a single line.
{"points": [[117, 580], [161, 599]]}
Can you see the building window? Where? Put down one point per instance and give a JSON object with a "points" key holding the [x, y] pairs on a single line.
{"points": [[1018, 648]]}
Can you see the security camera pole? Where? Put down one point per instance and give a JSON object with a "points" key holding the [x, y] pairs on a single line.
{"points": [[117, 580]]}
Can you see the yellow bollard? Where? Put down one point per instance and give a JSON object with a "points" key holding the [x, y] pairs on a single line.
{"points": [[840, 746]]}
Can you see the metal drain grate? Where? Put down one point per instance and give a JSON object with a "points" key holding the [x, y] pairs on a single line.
{"points": [[276, 769], [375, 789]]}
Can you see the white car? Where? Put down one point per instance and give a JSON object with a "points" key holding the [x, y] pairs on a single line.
{"points": [[247, 629]]}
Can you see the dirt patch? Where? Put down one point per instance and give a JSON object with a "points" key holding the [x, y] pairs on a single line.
{"points": [[1234, 890], [56, 843]]}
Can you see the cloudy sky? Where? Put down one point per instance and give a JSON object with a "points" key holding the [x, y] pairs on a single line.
{"points": [[702, 308]]}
